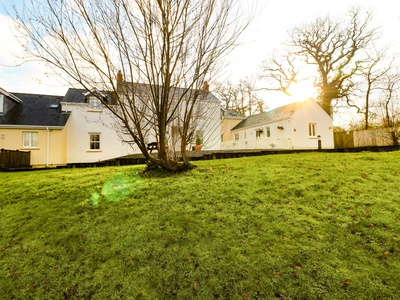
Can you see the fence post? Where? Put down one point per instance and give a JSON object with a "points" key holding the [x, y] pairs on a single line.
{"points": [[1, 158], [319, 143]]}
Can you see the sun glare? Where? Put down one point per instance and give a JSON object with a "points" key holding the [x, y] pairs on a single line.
{"points": [[302, 90]]}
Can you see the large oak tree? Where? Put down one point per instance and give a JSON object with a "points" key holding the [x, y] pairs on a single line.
{"points": [[334, 47]]}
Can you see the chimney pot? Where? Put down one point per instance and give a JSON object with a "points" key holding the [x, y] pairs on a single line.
{"points": [[206, 86], [120, 78]]}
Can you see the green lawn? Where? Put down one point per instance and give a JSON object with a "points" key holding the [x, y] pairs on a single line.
{"points": [[295, 226]]}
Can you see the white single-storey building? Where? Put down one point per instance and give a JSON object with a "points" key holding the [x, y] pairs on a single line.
{"points": [[299, 125]]}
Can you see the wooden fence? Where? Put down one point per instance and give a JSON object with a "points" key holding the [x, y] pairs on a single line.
{"points": [[13, 159], [363, 138]]}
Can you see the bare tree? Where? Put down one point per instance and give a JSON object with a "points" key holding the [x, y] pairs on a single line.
{"points": [[227, 92], [333, 47], [241, 97], [390, 105], [369, 84], [170, 46], [280, 71]]}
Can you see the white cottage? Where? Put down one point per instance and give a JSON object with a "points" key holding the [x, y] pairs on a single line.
{"points": [[299, 125], [94, 134]]}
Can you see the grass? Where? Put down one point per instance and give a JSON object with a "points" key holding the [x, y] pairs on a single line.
{"points": [[296, 226]]}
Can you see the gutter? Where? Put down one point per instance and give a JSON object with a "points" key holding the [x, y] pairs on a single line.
{"points": [[38, 127]]}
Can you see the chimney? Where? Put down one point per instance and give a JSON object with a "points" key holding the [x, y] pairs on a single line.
{"points": [[120, 78], [206, 86]]}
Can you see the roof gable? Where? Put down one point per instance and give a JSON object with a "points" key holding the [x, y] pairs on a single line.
{"points": [[10, 96], [277, 114]]}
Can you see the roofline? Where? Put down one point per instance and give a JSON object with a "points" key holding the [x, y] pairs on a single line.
{"points": [[94, 92], [39, 127], [215, 98], [79, 104], [262, 124], [15, 98], [234, 117]]}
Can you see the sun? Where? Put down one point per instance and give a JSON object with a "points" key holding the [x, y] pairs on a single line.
{"points": [[302, 90]]}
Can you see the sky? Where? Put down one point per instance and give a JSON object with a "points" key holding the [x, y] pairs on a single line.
{"points": [[265, 34]]}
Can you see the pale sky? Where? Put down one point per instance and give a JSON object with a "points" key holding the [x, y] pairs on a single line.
{"points": [[264, 35]]}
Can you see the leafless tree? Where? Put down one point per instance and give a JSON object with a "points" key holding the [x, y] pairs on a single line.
{"points": [[333, 47], [241, 97], [390, 107], [170, 46], [368, 84], [280, 71]]}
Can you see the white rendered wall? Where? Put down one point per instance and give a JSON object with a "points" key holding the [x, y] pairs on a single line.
{"points": [[311, 112], [81, 123], [84, 121]]}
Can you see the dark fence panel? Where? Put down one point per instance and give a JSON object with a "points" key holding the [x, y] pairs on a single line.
{"points": [[14, 159], [343, 140]]}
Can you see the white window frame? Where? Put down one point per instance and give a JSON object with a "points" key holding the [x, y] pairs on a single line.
{"points": [[259, 133], [30, 139], [93, 142], [268, 131], [312, 130], [236, 137], [94, 103], [1, 104]]}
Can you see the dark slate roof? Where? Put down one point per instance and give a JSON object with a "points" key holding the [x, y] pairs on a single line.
{"points": [[75, 96], [78, 95], [35, 110], [280, 113]]}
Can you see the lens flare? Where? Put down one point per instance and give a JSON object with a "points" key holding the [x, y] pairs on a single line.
{"points": [[302, 90], [121, 187], [95, 199]]}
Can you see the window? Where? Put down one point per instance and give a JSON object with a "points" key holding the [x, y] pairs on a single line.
{"points": [[30, 139], [94, 141], [222, 138], [259, 133], [1, 104], [94, 103], [268, 131], [236, 136], [312, 129]]}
